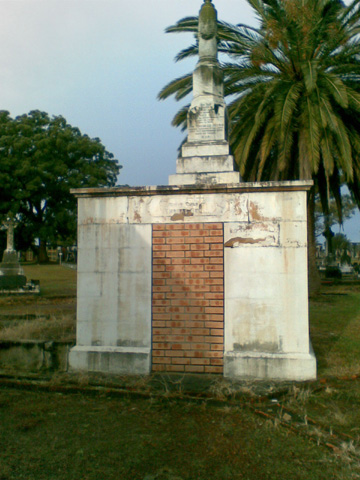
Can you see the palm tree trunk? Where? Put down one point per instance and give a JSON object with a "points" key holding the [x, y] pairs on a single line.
{"points": [[314, 281]]}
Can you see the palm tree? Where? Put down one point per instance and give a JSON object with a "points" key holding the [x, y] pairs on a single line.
{"points": [[294, 86]]}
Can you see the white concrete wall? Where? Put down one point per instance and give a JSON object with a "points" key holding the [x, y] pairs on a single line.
{"points": [[266, 298]]}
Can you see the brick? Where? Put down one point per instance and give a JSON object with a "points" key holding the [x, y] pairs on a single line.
{"points": [[160, 303], [194, 268], [213, 253], [212, 281], [192, 324], [217, 361], [175, 368], [216, 274], [182, 302], [161, 331], [161, 289], [200, 331], [158, 353], [199, 346], [181, 247], [162, 360], [180, 261], [214, 226], [158, 226], [214, 303], [216, 318], [174, 226], [179, 233], [217, 288], [194, 240], [158, 241], [199, 246], [216, 260], [194, 368], [158, 254], [213, 239], [158, 310], [174, 353], [158, 296], [217, 347], [180, 331], [194, 309], [214, 310], [161, 346], [199, 261], [158, 323], [180, 361], [217, 331], [212, 339], [161, 248], [194, 226], [214, 233], [180, 346], [175, 254], [214, 324], [196, 338], [214, 268], [158, 368], [174, 324], [200, 303], [200, 361], [161, 261], [157, 317], [157, 275], [199, 274], [213, 369], [174, 309], [219, 354], [214, 296], [195, 253]]}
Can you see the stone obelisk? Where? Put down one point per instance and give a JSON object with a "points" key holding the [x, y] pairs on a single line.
{"points": [[205, 156]]}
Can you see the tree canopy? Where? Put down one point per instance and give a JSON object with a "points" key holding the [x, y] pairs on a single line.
{"points": [[293, 85], [41, 159]]}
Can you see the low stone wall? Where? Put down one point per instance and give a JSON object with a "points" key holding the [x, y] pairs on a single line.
{"points": [[33, 355]]}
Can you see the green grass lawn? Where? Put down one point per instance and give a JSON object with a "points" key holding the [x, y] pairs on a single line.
{"points": [[55, 280], [253, 430]]}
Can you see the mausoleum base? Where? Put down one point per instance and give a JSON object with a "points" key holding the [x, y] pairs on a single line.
{"points": [[270, 366], [194, 279], [116, 360]]}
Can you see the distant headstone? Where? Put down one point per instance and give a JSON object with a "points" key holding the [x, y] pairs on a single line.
{"points": [[11, 273]]}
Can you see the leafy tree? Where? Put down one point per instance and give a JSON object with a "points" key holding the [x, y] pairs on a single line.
{"points": [[332, 218], [293, 85], [342, 248], [41, 159]]}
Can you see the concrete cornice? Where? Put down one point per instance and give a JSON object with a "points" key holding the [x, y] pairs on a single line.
{"points": [[120, 191]]}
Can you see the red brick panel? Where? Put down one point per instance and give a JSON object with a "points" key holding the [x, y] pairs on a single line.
{"points": [[188, 298]]}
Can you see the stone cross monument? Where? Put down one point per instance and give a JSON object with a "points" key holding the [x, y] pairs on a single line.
{"points": [[11, 273], [9, 224], [205, 156]]}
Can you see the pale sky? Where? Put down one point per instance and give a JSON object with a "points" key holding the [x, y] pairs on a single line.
{"points": [[101, 64]]}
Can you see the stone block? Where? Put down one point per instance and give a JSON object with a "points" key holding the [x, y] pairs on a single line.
{"points": [[117, 360], [208, 164], [267, 366], [212, 178]]}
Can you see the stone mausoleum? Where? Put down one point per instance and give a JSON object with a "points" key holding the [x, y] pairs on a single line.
{"points": [[205, 275]]}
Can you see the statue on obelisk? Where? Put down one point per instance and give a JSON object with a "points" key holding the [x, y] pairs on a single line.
{"points": [[205, 156]]}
